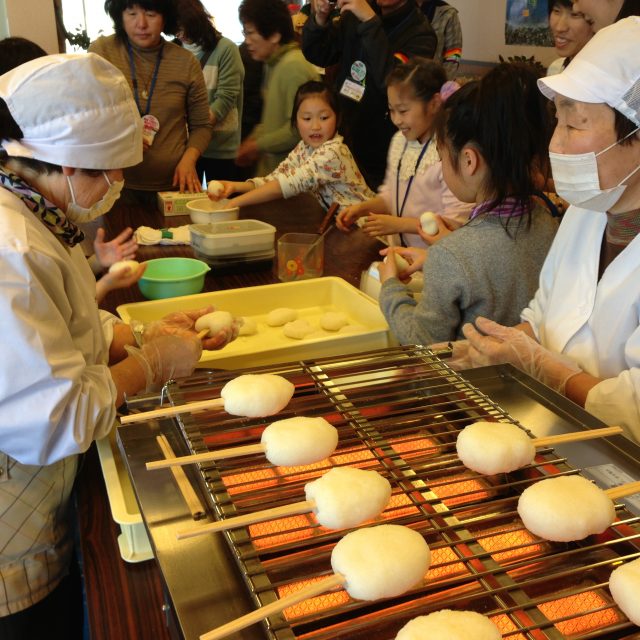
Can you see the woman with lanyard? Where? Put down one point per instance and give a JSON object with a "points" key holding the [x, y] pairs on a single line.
{"points": [[490, 134], [413, 182], [169, 90]]}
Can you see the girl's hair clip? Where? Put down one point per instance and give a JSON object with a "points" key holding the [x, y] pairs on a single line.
{"points": [[448, 89]]}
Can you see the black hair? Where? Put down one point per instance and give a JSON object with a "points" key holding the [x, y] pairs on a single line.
{"points": [[315, 88], [195, 24], [629, 8], [424, 77], [167, 8], [17, 51], [268, 17], [504, 116], [624, 127], [567, 4]]}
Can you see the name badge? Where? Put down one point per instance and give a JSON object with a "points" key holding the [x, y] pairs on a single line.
{"points": [[352, 90]]}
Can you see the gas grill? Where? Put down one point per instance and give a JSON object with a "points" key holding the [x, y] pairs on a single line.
{"points": [[397, 411]]}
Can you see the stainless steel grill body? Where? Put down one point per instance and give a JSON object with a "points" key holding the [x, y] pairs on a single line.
{"points": [[399, 411]]}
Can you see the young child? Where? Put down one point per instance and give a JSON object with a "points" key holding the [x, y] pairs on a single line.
{"points": [[413, 183], [320, 163], [490, 135]]}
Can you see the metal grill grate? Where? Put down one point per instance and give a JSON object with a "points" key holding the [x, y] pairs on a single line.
{"points": [[399, 411]]}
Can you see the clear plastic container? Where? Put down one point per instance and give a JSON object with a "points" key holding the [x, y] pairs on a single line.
{"points": [[232, 238]]}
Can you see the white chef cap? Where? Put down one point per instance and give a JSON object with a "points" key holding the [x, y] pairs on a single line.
{"points": [[75, 110], [606, 70]]}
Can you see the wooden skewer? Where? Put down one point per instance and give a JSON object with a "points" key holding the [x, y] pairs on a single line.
{"points": [[315, 589], [207, 456], [304, 506], [203, 334], [190, 497], [164, 412], [577, 436], [623, 490]]}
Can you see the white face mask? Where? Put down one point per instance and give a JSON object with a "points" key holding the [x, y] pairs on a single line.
{"points": [[82, 215], [577, 181], [196, 49]]}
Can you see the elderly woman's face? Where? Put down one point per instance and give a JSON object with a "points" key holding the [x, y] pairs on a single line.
{"points": [[584, 127], [142, 26], [600, 13], [260, 48]]}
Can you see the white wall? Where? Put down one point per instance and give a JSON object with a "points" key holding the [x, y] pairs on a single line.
{"points": [[483, 24], [32, 19]]}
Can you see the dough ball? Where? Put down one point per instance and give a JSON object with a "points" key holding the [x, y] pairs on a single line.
{"points": [[280, 316], [494, 447], [132, 265], [256, 395], [382, 561], [624, 585], [333, 320], [429, 223], [215, 322], [450, 625], [298, 441], [249, 327], [215, 188], [401, 263], [346, 496], [565, 508], [297, 329]]}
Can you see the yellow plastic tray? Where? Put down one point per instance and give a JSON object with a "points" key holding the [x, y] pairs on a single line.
{"points": [[311, 298]]}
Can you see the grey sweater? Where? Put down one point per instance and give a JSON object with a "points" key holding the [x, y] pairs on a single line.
{"points": [[477, 270]]}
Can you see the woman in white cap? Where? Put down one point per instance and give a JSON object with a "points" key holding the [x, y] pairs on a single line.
{"points": [[580, 334], [68, 126]]}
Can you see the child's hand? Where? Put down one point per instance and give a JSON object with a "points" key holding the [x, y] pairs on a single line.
{"points": [[348, 215], [118, 280], [412, 256], [122, 247], [444, 229], [381, 224], [228, 188]]}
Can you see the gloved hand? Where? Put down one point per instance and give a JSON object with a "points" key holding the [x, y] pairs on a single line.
{"points": [[166, 357], [459, 356], [182, 323], [506, 344]]}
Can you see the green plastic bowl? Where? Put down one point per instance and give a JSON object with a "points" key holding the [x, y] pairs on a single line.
{"points": [[172, 277]]}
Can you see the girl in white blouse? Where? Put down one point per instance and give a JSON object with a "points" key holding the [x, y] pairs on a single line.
{"points": [[320, 164]]}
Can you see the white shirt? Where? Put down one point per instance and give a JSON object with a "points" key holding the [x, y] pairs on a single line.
{"points": [[56, 391], [596, 323]]}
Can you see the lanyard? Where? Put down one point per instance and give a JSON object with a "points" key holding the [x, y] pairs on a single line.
{"points": [[400, 209], [134, 79]]}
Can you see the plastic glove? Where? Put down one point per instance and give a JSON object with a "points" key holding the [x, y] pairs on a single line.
{"points": [[459, 359], [182, 323], [506, 344], [166, 357]]}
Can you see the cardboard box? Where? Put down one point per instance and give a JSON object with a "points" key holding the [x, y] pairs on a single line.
{"points": [[367, 328], [174, 203]]}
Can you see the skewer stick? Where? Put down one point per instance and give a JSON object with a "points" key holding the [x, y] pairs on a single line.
{"points": [[203, 333], [190, 497], [164, 412], [623, 490], [315, 589], [207, 456], [304, 506], [577, 436]]}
